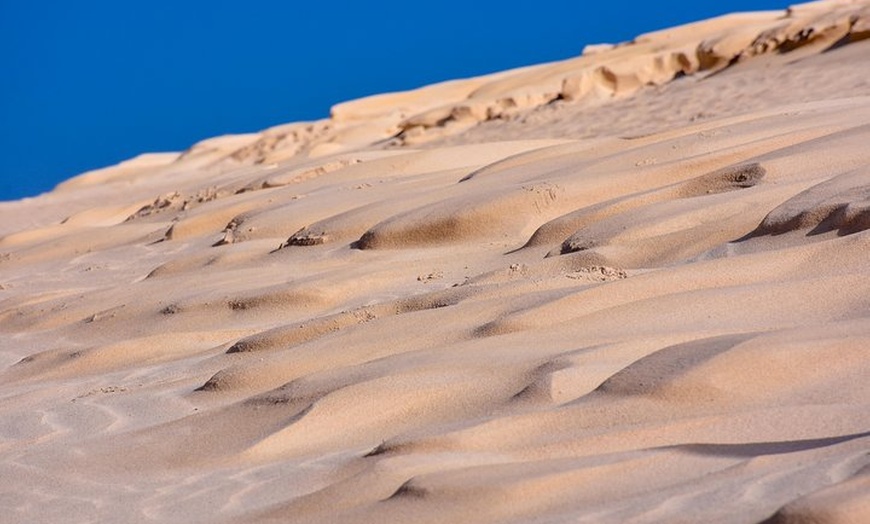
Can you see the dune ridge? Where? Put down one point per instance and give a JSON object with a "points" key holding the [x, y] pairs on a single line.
{"points": [[630, 286]]}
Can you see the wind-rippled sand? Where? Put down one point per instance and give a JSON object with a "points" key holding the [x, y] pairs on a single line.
{"points": [[632, 286]]}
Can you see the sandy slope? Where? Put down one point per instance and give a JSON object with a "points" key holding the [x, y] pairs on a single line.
{"points": [[627, 287]]}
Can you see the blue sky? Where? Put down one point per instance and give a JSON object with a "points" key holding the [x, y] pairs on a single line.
{"points": [[89, 83]]}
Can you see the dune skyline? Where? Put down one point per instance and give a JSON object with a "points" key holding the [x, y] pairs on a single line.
{"points": [[99, 83], [628, 286]]}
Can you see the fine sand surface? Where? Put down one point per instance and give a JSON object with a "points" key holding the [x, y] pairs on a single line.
{"points": [[632, 286]]}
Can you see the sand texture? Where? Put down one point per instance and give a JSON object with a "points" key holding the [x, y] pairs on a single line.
{"points": [[632, 286]]}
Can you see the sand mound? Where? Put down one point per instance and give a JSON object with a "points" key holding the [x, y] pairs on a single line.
{"points": [[628, 286]]}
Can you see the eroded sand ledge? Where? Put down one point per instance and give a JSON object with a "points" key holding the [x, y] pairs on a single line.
{"points": [[614, 288]]}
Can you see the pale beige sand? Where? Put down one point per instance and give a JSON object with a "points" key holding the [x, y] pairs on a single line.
{"points": [[577, 292]]}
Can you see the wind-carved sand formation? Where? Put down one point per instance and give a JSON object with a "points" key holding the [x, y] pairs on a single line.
{"points": [[632, 286]]}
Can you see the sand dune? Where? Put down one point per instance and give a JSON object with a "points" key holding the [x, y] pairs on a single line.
{"points": [[632, 286]]}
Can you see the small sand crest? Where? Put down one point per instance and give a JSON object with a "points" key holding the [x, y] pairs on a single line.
{"points": [[841, 204], [845, 502]]}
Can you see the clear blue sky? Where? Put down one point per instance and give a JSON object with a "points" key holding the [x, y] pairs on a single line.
{"points": [[85, 84]]}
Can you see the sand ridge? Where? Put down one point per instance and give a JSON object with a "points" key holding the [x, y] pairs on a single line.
{"points": [[554, 294]]}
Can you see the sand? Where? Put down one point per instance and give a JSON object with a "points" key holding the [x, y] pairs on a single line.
{"points": [[632, 286]]}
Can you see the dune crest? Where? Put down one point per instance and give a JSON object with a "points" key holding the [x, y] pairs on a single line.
{"points": [[627, 286]]}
